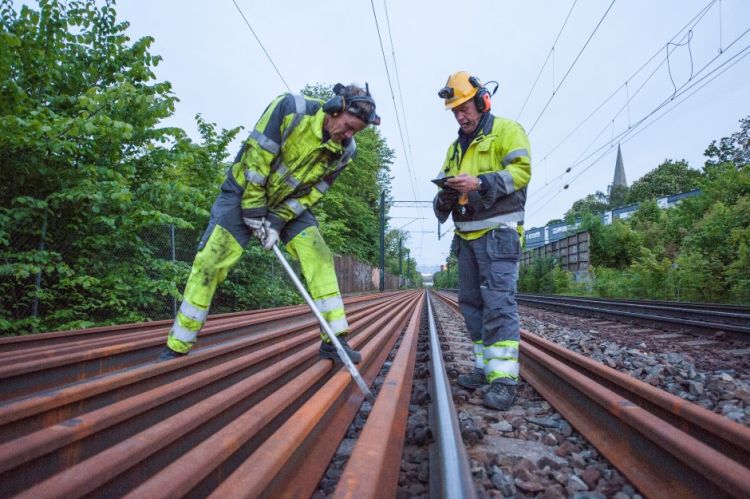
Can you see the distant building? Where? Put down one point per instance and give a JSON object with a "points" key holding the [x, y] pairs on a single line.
{"points": [[539, 236]]}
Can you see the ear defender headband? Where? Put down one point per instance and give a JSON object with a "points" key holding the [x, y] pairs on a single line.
{"points": [[339, 103]]}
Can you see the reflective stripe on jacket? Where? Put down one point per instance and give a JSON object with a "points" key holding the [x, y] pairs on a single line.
{"points": [[500, 155], [285, 167]]}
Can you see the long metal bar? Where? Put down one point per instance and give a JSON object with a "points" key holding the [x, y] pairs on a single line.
{"points": [[219, 400], [455, 475], [376, 459], [324, 324]]}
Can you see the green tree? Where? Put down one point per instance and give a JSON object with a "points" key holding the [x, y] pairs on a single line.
{"points": [[734, 149], [618, 196], [614, 246], [670, 177], [85, 168], [593, 203]]}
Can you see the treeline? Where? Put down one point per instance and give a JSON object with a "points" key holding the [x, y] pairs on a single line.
{"points": [[98, 198], [696, 251]]}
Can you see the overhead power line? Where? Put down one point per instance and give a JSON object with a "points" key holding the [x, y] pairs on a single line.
{"points": [[556, 89], [393, 98], [261, 45], [687, 28], [398, 79], [544, 64], [628, 134]]}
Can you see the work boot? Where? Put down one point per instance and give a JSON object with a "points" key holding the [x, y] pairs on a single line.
{"points": [[474, 379], [328, 351], [500, 396], [169, 354]]}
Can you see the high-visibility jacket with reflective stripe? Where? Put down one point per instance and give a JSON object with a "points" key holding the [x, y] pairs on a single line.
{"points": [[500, 155], [285, 166]]}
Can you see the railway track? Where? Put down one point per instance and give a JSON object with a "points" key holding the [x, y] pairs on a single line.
{"points": [[252, 412], [691, 317], [666, 446]]}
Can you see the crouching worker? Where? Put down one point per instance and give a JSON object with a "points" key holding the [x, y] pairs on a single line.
{"points": [[293, 155]]}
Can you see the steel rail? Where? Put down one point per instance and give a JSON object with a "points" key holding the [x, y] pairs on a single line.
{"points": [[672, 309], [291, 461], [376, 458], [34, 342], [666, 446], [452, 477], [107, 435], [718, 307], [48, 367], [738, 331]]}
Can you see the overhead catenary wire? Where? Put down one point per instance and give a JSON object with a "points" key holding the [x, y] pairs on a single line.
{"points": [[629, 97], [393, 98], [554, 92], [690, 24], [403, 108], [544, 64], [626, 136], [398, 79], [261, 46]]}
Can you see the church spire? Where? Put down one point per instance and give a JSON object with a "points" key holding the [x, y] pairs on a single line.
{"points": [[619, 180]]}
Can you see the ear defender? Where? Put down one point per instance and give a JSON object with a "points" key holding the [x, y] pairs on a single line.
{"points": [[482, 98], [336, 104]]}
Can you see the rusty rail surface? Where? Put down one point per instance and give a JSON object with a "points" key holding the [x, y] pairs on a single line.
{"points": [[100, 418], [666, 446], [376, 458]]}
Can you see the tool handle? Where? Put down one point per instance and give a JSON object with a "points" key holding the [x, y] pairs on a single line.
{"points": [[324, 324]]}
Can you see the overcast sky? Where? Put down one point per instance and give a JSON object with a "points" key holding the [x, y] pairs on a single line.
{"points": [[218, 69]]}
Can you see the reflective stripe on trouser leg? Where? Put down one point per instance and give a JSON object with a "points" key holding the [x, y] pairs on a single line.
{"points": [[210, 267], [501, 361], [497, 257], [316, 261], [479, 354]]}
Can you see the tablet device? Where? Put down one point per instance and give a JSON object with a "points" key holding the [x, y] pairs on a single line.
{"points": [[440, 182]]}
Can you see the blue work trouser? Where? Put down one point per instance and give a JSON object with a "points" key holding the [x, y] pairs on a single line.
{"points": [[488, 273]]}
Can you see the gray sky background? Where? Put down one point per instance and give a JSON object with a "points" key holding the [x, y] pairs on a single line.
{"points": [[218, 69]]}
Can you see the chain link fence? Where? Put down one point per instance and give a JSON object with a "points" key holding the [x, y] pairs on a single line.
{"points": [[155, 267]]}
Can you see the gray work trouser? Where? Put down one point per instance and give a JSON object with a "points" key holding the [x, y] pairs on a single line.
{"points": [[487, 277]]}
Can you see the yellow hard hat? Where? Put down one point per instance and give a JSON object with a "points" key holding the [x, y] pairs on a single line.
{"points": [[458, 89]]}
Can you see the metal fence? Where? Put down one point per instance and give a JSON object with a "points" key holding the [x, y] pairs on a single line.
{"points": [[572, 252]]}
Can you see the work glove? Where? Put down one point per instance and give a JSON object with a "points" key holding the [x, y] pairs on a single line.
{"points": [[447, 198], [270, 236], [255, 225]]}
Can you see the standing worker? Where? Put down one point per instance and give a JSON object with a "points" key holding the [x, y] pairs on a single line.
{"points": [[293, 155], [491, 166]]}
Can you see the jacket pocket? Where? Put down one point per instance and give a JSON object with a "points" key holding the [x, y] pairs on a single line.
{"points": [[503, 244]]}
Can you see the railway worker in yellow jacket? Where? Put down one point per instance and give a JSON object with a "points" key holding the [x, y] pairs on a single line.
{"points": [[491, 166], [293, 155]]}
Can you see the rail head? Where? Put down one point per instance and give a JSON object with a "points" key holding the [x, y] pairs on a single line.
{"points": [[452, 465]]}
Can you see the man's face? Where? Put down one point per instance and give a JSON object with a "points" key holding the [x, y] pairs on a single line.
{"points": [[344, 126], [467, 116]]}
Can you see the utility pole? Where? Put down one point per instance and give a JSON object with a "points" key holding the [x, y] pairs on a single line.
{"points": [[382, 241], [400, 254]]}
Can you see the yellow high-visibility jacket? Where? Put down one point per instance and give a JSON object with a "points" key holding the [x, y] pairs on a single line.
{"points": [[285, 166], [500, 156]]}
